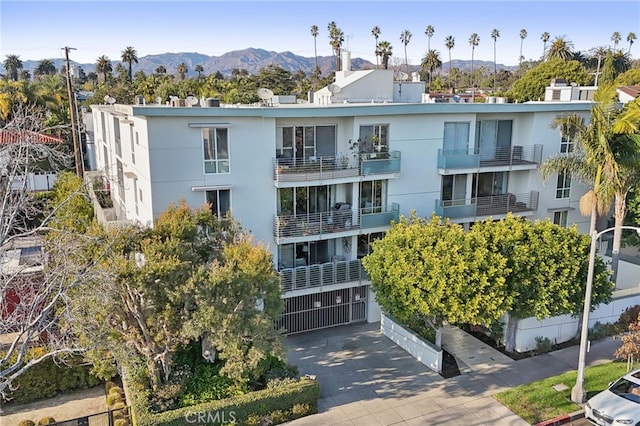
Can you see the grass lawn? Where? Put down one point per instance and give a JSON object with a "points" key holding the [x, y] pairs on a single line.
{"points": [[538, 401]]}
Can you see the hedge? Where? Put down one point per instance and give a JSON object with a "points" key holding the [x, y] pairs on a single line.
{"points": [[47, 379], [283, 402]]}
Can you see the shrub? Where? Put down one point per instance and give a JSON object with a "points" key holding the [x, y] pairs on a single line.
{"points": [[600, 331], [26, 423], [48, 420], [628, 316], [113, 398], [121, 422], [108, 385], [118, 406], [115, 390], [300, 410], [543, 345]]}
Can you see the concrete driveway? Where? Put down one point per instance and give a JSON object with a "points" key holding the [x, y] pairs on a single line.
{"points": [[365, 379]]}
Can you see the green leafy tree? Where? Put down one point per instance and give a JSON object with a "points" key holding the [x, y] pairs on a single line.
{"points": [[428, 271], [533, 83], [12, 65], [130, 56], [429, 32], [608, 70], [71, 204], [104, 67], [191, 277], [546, 268], [161, 69], [629, 78], [384, 51], [405, 38], [495, 34], [545, 38], [375, 32], [605, 157]]}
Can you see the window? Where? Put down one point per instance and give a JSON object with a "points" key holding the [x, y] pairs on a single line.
{"points": [[555, 95], [303, 200], [220, 201], [454, 190], [374, 138], [566, 144], [120, 171], [303, 142], [116, 136], [103, 127], [456, 138], [563, 188], [373, 196], [493, 139], [560, 218], [133, 146], [216, 150]]}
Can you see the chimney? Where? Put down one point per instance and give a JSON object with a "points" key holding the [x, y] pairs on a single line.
{"points": [[346, 60]]}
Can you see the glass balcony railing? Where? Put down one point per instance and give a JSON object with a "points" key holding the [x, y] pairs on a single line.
{"points": [[516, 155], [382, 162], [487, 206], [321, 274], [375, 217]]}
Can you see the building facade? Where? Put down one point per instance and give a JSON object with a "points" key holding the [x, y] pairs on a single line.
{"points": [[317, 182]]}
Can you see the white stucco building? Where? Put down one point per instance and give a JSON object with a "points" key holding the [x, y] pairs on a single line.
{"points": [[319, 181]]}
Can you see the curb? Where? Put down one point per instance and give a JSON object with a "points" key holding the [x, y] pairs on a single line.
{"points": [[562, 419]]}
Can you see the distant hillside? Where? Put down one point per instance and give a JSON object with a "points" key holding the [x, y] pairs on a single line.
{"points": [[251, 59]]}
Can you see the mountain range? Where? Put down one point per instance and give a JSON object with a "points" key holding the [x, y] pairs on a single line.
{"points": [[251, 59]]}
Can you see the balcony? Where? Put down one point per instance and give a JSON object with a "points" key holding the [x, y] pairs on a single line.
{"points": [[334, 221], [488, 206], [322, 274], [380, 163], [332, 167], [525, 156], [106, 212]]}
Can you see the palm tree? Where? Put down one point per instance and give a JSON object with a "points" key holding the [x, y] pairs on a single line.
{"points": [[45, 67], [93, 78], [615, 38], [384, 50], [495, 34], [161, 69], [621, 62], [523, 35], [429, 32], [182, 70], [375, 32], [336, 38], [129, 55], [603, 158], [314, 34], [560, 48], [545, 38], [431, 61], [474, 40], [631, 37], [405, 38], [199, 69], [449, 43], [12, 65], [103, 66]]}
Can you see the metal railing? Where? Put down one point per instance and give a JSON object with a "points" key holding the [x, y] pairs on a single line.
{"points": [[335, 167], [487, 206], [334, 221], [321, 274], [517, 155]]}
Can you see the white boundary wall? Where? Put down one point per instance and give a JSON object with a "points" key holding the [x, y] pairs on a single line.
{"points": [[421, 350]]}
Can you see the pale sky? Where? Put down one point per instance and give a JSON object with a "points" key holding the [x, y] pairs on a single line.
{"points": [[38, 29]]}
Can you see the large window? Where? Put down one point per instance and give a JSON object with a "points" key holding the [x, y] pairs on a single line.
{"points": [[456, 138], [488, 184], [116, 136], [563, 187], [220, 201], [566, 144], [493, 139], [304, 142], [373, 196], [454, 189], [216, 150], [374, 138], [304, 200]]}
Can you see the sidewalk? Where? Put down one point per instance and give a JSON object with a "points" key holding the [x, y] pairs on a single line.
{"points": [[365, 379]]}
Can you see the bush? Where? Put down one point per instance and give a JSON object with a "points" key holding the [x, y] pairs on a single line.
{"points": [[115, 390], [628, 316], [108, 385], [26, 423], [113, 398], [543, 345], [121, 422], [48, 420]]}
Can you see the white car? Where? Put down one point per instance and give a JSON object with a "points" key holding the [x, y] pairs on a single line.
{"points": [[619, 404]]}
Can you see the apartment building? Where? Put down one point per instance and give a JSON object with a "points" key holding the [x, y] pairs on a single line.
{"points": [[318, 181]]}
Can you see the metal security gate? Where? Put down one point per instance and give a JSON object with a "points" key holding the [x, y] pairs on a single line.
{"points": [[324, 310]]}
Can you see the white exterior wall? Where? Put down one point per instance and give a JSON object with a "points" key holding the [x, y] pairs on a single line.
{"points": [[421, 350]]}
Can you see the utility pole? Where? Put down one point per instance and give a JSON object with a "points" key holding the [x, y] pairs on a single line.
{"points": [[74, 129]]}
